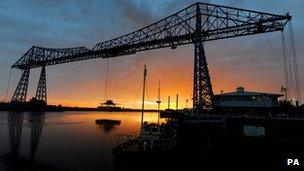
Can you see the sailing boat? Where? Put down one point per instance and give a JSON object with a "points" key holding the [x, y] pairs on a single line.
{"points": [[152, 138]]}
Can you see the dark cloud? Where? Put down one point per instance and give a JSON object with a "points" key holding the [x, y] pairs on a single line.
{"points": [[143, 13], [138, 13]]}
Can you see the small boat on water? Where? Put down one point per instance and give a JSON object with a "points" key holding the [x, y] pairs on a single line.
{"points": [[152, 139], [107, 122]]}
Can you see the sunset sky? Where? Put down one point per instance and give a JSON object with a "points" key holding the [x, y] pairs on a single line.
{"points": [[253, 61]]}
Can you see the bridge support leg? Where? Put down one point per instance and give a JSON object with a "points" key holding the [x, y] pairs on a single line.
{"points": [[202, 89], [21, 89], [41, 93]]}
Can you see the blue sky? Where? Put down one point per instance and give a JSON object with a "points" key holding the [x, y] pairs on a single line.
{"points": [[69, 23]]}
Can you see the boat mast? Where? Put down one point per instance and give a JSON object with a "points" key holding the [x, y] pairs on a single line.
{"points": [[176, 102], [143, 97], [168, 102], [158, 101]]}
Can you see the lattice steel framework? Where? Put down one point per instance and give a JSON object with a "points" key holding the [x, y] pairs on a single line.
{"points": [[41, 93], [195, 24], [202, 89], [21, 89], [39, 56]]}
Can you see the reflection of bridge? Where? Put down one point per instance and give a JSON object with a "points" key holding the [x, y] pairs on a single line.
{"points": [[195, 24], [15, 125]]}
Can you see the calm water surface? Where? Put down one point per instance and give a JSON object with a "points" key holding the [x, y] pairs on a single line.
{"points": [[63, 140]]}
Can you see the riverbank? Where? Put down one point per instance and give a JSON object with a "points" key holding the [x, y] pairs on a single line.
{"points": [[38, 106]]}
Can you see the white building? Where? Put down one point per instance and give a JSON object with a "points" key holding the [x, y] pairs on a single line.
{"points": [[242, 101]]}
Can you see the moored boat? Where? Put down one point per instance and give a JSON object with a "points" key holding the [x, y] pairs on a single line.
{"points": [[152, 139]]}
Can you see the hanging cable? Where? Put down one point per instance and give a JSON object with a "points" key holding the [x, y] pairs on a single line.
{"points": [[137, 94], [147, 91], [291, 85], [295, 63], [284, 59], [8, 84], [106, 79]]}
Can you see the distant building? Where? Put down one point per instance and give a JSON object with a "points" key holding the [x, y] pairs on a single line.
{"points": [[109, 105], [246, 102]]}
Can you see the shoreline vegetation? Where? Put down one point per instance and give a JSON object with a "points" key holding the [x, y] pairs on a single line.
{"points": [[35, 105], [39, 105]]}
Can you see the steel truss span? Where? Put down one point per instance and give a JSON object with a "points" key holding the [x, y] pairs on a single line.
{"points": [[198, 23]]}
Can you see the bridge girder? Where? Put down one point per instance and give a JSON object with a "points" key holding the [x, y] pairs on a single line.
{"points": [[217, 22]]}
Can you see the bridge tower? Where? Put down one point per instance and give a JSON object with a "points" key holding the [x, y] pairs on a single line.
{"points": [[202, 88], [41, 93], [21, 89], [20, 93]]}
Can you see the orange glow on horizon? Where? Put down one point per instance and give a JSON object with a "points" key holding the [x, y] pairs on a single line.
{"points": [[182, 88], [175, 78]]}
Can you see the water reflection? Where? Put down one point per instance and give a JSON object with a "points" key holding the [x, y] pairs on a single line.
{"points": [[55, 140], [36, 123], [15, 122], [107, 125]]}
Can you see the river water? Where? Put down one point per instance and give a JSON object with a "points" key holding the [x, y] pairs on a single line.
{"points": [[63, 140]]}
